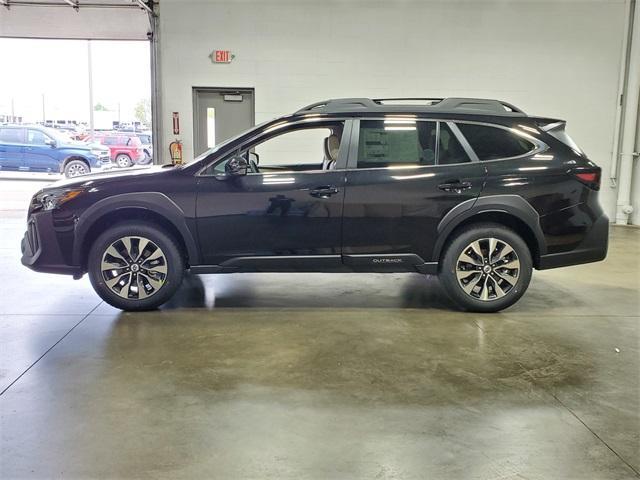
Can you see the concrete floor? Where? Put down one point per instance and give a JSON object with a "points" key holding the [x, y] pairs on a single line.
{"points": [[319, 376]]}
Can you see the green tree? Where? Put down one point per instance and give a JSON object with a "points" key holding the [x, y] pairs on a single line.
{"points": [[98, 107], [142, 111]]}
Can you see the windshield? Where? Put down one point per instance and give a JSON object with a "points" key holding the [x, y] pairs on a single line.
{"points": [[205, 154]]}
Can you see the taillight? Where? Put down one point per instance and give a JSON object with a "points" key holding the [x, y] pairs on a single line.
{"points": [[590, 176]]}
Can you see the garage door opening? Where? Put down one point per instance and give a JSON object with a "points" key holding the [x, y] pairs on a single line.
{"points": [[88, 97]]}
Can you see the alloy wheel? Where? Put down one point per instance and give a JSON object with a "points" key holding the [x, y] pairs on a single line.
{"points": [[134, 267], [77, 169], [488, 269]]}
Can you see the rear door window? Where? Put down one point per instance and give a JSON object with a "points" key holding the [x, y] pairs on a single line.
{"points": [[389, 143], [12, 135], [491, 143], [450, 151]]}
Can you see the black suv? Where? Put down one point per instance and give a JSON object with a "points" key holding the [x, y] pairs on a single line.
{"points": [[472, 190]]}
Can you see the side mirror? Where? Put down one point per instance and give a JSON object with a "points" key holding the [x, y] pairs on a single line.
{"points": [[50, 141], [236, 166]]}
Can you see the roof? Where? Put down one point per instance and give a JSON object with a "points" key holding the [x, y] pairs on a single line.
{"points": [[477, 106]]}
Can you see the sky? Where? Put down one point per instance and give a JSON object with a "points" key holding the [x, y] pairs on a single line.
{"points": [[58, 69]]}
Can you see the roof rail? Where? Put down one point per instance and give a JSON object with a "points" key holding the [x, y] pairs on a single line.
{"points": [[453, 104], [483, 104]]}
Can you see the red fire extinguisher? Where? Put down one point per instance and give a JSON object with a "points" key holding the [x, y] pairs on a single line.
{"points": [[175, 150]]}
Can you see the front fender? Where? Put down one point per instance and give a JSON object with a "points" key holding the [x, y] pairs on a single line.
{"points": [[152, 201]]}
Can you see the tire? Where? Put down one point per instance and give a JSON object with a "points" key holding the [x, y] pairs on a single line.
{"points": [[75, 168], [123, 160], [155, 278], [146, 160], [487, 283]]}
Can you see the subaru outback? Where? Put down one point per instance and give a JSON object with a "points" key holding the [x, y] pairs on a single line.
{"points": [[472, 190]]}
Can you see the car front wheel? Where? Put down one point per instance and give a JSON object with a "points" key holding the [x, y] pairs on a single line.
{"points": [[135, 266], [75, 168], [486, 268]]}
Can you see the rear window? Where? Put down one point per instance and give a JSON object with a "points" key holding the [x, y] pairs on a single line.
{"points": [[134, 141], [492, 142]]}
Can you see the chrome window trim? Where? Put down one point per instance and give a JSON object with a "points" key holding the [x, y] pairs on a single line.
{"points": [[539, 145], [283, 123]]}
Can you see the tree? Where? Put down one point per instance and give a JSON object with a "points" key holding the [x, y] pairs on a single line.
{"points": [[142, 111], [98, 107]]}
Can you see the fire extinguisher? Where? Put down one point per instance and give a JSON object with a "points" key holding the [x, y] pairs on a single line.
{"points": [[175, 150]]}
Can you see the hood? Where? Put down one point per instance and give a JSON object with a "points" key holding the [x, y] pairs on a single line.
{"points": [[74, 144], [110, 175]]}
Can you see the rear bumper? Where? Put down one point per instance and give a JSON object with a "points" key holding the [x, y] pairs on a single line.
{"points": [[593, 248], [44, 256]]}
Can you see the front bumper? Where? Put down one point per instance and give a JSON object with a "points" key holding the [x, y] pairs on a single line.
{"points": [[40, 248], [103, 160]]}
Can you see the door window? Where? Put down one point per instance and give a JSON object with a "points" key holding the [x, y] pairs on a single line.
{"points": [[387, 143], [11, 135], [36, 137], [450, 151], [303, 148], [492, 142]]}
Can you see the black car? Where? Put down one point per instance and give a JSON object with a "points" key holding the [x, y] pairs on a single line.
{"points": [[472, 190]]}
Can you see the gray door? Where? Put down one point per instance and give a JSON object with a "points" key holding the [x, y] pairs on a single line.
{"points": [[219, 114]]}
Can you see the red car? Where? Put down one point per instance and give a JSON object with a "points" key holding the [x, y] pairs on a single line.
{"points": [[125, 150]]}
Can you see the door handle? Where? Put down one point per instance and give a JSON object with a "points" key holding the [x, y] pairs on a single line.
{"points": [[324, 192], [455, 186]]}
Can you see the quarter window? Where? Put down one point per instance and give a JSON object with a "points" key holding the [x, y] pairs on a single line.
{"points": [[491, 142]]}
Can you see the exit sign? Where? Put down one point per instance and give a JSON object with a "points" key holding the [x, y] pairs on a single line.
{"points": [[221, 56]]}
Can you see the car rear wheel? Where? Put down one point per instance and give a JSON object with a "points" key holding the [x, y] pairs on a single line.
{"points": [[123, 160], [486, 268], [75, 168], [135, 266]]}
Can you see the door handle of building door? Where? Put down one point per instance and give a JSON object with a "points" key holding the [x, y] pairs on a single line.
{"points": [[456, 186], [324, 192]]}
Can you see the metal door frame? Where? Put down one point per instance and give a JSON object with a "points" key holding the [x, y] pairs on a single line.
{"points": [[230, 90]]}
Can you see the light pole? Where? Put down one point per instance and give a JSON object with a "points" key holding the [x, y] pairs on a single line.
{"points": [[90, 87]]}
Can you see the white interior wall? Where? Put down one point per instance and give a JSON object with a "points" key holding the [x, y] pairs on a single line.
{"points": [[553, 58]]}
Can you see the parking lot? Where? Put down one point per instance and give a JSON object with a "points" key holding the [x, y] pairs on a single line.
{"points": [[318, 375]]}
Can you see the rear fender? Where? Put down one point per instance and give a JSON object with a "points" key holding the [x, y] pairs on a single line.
{"points": [[513, 205]]}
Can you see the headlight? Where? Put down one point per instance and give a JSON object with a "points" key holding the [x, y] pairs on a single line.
{"points": [[97, 152], [48, 200]]}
